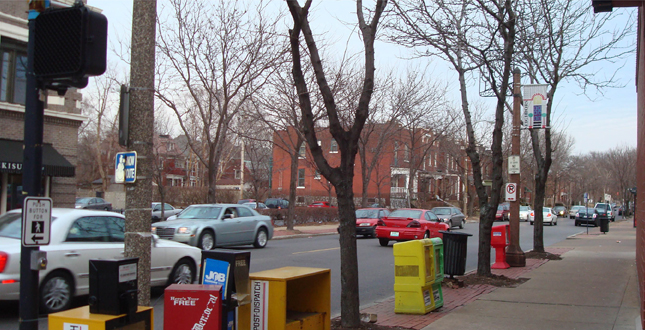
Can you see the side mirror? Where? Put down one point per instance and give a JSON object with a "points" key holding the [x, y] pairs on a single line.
{"points": [[155, 238], [227, 216]]}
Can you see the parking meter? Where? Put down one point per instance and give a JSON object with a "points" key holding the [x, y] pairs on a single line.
{"points": [[230, 269]]}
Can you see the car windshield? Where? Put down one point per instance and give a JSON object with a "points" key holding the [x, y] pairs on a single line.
{"points": [[601, 206], [414, 214], [366, 214], [558, 208], [546, 210], [271, 202], [441, 211], [318, 203], [200, 212], [83, 200], [501, 207], [524, 208], [585, 211], [576, 208]]}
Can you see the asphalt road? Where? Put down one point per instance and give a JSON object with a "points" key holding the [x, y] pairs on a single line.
{"points": [[376, 264]]}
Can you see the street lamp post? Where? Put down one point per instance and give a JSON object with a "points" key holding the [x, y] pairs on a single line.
{"points": [[514, 255]]}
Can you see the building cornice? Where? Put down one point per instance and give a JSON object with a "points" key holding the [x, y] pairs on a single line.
{"points": [[48, 113]]}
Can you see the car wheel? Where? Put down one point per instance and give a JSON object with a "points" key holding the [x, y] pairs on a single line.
{"points": [[531, 223], [261, 239], [182, 273], [462, 224], [555, 223], [56, 292], [206, 240], [576, 224], [450, 224], [383, 241]]}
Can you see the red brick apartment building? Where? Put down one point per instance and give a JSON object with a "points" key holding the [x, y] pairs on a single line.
{"points": [[605, 6], [439, 163]]}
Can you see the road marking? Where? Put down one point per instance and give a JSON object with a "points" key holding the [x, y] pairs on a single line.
{"points": [[336, 248]]}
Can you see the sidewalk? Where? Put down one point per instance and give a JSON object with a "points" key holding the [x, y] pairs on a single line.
{"points": [[594, 286]]}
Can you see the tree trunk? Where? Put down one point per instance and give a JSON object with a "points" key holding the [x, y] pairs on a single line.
{"points": [[293, 180], [538, 221], [350, 303]]}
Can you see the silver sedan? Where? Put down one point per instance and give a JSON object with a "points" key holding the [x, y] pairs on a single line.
{"points": [[76, 237], [207, 226]]}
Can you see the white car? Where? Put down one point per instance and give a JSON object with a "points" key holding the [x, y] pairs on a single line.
{"points": [[548, 216], [525, 210], [76, 237]]}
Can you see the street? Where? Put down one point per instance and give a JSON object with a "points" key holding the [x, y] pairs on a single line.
{"points": [[376, 264]]}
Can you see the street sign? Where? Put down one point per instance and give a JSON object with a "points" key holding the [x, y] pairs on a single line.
{"points": [[125, 169], [36, 221], [514, 164], [586, 197], [511, 192]]}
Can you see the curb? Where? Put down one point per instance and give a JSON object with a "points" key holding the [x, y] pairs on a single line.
{"points": [[302, 235]]}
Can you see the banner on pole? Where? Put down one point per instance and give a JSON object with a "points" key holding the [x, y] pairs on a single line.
{"points": [[535, 101]]}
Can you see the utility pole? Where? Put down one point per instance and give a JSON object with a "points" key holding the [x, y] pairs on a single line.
{"points": [[242, 170], [138, 238], [514, 254]]}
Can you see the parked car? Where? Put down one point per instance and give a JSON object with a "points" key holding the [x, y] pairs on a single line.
{"points": [[560, 211], [548, 216], [320, 204], [76, 237], [604, 211], [207, 226], [452, 216], [525, 210], [276, 203], [367, 218], [168, 211], [503, 212], [256, 205], [409, 224], [95, 203], [588, 216], [244, 201], [574, 210]]}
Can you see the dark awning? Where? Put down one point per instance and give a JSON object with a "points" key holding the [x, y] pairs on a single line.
{"points": [[54, 164]]}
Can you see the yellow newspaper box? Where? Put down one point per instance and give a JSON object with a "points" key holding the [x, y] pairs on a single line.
{"points": [[290, 298], [79, 317], [415, 290]]}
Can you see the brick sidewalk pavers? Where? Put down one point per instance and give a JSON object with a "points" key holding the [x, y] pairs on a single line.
{"points": [[452, 298]]}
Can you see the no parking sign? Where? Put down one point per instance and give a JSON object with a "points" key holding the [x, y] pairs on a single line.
{"points": [[511, 192]]}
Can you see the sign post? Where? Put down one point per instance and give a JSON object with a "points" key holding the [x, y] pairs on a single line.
{"points": [[514, 255]]}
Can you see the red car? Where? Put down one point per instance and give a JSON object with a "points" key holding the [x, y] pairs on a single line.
{"points": [[366, 220], [409, 224], [503, 212], [320, 204]]}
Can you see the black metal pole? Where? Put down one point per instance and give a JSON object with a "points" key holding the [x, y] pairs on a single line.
{"points": [[31, 184]]}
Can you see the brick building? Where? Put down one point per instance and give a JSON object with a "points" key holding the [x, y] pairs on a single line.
{"points": [[605, 6], [436, 167], [62, 119]]}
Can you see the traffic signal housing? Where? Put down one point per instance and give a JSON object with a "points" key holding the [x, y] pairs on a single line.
{"points": [[70, 45]]}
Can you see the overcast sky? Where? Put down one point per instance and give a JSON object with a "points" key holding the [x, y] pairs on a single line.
{"points": [[597, 122]]}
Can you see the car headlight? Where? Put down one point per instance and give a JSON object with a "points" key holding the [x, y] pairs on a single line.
{"points": [[364, 224], [78, 206], [184, 230], [154, 230]]}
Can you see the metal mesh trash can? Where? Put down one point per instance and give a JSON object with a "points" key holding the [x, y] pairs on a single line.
{"points": [[455, 249], [604, 225]]}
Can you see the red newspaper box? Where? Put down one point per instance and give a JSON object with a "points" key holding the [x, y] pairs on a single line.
{"points": [[193, 306], [499, 240]]}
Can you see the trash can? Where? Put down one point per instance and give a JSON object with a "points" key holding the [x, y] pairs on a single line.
{"points": [[455, 249], [604, 225]]}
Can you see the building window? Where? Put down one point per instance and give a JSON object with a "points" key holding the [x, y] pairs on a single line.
{"points": [[303, 151], [406, 154], [333, 147], [237, 174], [301, 178], [317, 175], [13, 71]]}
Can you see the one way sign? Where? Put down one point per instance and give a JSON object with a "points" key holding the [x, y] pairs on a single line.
{"points": [[36, 221]]}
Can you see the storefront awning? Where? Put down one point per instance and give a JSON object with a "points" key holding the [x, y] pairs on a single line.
{"points": [[54, 164]]}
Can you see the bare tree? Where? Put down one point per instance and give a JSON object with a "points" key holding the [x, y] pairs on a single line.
{"points": [[214, 57], [342, 175], [560, 41], [471, 36]]}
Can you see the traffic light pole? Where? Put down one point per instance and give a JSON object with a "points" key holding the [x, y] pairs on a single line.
{"points": [[31, 181], [514, 255]]}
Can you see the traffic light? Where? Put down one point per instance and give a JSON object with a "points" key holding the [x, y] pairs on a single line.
{"points": [[70, 45]]}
